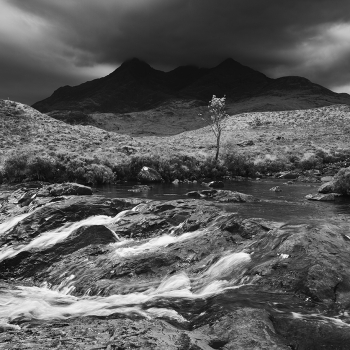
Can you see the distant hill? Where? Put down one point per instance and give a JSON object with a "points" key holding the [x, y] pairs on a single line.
{"points": [[136, 86]]}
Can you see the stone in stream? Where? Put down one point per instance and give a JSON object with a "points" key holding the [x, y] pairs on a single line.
{"points": [[322, 197], [223, 196], [276, 189], [68, 189]]}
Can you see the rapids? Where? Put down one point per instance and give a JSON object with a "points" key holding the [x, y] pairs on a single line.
{"points": [[192, 262]]}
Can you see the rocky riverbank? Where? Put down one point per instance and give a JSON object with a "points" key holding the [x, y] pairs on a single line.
{"points": [[80, 271]]}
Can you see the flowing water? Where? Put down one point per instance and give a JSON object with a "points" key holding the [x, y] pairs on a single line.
{"points": [[289, 204], [220, 284]]}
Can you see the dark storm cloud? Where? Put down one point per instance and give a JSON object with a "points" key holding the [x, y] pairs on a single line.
{"points": [[279, 37]]}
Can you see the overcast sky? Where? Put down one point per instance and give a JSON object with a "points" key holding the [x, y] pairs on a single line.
{"points": [[45, 44]]}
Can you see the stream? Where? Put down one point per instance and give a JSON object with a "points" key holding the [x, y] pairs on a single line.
{"points": [[181, 273]]}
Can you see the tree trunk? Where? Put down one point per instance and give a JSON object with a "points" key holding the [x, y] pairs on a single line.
{"points": [[217, 146]]}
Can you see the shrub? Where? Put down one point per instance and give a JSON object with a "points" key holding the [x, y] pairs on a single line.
{"points": [[15, 166], [98, 174], [270, 164], [309, 161], [342, 181], [41, 168], [239, 165], [256, 121]]}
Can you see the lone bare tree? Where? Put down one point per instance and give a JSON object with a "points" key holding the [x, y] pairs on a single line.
{"points": [[217, 115]]}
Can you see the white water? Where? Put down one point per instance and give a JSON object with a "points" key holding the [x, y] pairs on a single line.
{"points": [[321, 318], [26, 303], [49, 238], [156, 243], [52, 237], [9, 224]]}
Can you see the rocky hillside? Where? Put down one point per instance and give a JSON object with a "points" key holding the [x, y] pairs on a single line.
{"points": [[136, 86]]}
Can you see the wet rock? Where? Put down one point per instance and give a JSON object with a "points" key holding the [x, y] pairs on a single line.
{"points": [[311, 334], [327, 187], [276, 189], [56, 214], [244, 329], [191, 276], [68, 189], [193, 194], [148, 174], [317, 264], [208, 193], [323, 197], [176, 182], [216, 184], [225, 196], [30, 262]]}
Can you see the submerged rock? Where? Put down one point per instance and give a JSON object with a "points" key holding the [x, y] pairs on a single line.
{"points": [[276, 189], [140, 188]]}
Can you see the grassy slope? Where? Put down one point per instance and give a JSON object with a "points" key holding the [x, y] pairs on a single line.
{"points": [[300, 132]]}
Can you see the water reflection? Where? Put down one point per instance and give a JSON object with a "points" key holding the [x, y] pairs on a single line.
{"points": [[280, 206]]}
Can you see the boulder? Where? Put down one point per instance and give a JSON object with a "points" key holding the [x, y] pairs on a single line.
{"points": [[193, 194], [225, 196], [324, 197], [216, 184], [327, 187], [68, 189], [148, 174]]}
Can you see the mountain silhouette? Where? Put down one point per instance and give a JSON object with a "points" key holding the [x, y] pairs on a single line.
{"points": [[136, 86]]}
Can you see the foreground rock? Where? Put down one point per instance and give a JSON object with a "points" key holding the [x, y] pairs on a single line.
{"points": [[31, 195], [180, 274]]}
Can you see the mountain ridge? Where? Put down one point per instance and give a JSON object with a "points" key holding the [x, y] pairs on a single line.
{"points": [[136, 86]]}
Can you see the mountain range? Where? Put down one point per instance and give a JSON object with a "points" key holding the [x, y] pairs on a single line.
{"points": [[136, 86]]}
